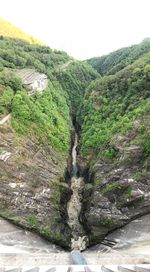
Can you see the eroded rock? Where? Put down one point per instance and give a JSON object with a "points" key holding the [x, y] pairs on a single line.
{"points": [[30, 190], [120, 191]]}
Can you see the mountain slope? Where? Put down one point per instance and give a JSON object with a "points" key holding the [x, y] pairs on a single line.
{"points": [[9, 30], [37, 141], [111, 116], [115, 61], [74, 80], [35, 144], [115, 142]]}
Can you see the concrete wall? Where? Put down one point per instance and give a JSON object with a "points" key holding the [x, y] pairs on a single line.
{"points": [[38, 85]]}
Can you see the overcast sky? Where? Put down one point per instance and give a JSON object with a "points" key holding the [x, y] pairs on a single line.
{"points": [[83, 28]]}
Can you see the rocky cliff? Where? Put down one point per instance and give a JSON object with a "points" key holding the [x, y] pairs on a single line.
{"points": [[35, 137], [31, 189], [116, 193], [115, 146]]}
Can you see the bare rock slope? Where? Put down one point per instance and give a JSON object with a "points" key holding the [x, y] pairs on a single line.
{"points": [[118, 192], [30, 185]]}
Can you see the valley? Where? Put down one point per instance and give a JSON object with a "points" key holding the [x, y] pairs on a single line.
{"points": [[79, 239], [78, 167]]}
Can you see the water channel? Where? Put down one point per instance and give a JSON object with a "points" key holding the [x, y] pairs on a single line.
{"points": [[79, 239], [133, 240]]}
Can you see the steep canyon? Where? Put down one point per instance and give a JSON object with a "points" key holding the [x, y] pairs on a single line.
{"points": [[73, 182]]}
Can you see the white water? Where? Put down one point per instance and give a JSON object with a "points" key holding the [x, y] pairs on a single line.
{"points": [[74, 156], [79, 239]]}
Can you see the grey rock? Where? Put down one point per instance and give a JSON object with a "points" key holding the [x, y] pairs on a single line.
{"points": [[30, 186], [118, 198]]}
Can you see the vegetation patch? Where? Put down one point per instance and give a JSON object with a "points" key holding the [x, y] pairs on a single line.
{"points": [[32, 221], [142, 176], [108, 222], [112, 187]]}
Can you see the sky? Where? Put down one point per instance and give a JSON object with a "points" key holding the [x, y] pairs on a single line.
{"points": [[82, 28]]}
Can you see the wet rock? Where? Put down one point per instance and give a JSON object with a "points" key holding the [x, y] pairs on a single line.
{"points": [[79, 239]]}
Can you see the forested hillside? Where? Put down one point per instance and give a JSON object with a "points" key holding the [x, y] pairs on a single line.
{"points": [[37, 139], [117, 60], [115, 141], [112, 105], [47, 113], [74, 80]]}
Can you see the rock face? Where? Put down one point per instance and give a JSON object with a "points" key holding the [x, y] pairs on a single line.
{"points": [[32, 185], [118, 191]]}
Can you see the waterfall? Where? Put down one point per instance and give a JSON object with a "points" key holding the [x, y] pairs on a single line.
{"points": [[79, 240], [74, 157]]}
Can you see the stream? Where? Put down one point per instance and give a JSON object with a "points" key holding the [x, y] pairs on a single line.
{"points": [[79, 240], [19, 246]]}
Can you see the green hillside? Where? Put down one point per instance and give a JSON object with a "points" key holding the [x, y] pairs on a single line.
{"points": [[74, 80], [49, 114], [9, 30], [112, 105], [115, 144], [38, 136], [115, 61]]}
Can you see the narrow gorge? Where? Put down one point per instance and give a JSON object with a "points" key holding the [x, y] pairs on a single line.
{"points": [[79, 239], [73, 184]]}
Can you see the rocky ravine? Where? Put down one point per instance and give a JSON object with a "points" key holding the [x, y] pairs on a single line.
{"points": [[33, 193], [116, 191], [30, 175]]}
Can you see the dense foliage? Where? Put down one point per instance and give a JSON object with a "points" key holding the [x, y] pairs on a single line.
{"points": [[19, 54], [117, 105], [74, 80], [115, 61], [46, 116], [111, 104]]}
